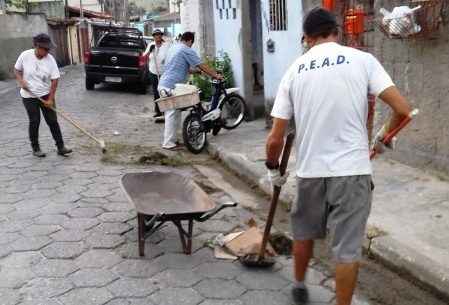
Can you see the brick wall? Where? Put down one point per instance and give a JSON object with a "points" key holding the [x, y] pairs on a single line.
{"points": [[420, 68]]}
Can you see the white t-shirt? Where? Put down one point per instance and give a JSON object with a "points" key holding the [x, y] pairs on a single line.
{"points": [[326, 90], [157, 58], [37, 73]]}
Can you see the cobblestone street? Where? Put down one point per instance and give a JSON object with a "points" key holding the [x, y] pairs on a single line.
{"points": [[68, 233]]}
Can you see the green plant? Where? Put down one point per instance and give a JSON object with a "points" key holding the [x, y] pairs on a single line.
{"points": [[18, 4], [223, 65]]}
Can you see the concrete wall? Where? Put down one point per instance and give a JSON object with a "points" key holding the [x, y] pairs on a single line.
{"points": [[54, 8], [91, 5], [16, 35], [197, 16], [287, 48], [228, 38], [420, 68]]}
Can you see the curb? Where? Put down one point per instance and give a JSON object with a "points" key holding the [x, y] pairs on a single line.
{"points": [[244, 168], [404, 259], [391, 252]]}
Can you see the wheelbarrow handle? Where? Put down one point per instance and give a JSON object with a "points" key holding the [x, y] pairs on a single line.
{"points": [[220, 207]]}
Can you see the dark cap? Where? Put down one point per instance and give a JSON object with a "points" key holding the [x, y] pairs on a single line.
{"points": [[157, 32], [319, 21], [42, 40]]}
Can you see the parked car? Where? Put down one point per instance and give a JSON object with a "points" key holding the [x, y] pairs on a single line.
{"points": [[118, 57]]}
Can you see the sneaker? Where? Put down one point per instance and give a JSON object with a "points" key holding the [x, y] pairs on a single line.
{"points": [[300, 295], [159, 120], [64, 151], [174, 148], [38, 153]]}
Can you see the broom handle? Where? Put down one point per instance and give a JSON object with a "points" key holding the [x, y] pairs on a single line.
{"points": [[67, 118], [276, 193]]}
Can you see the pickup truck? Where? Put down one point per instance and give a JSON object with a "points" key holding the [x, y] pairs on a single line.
{"points": [[118, 57]]}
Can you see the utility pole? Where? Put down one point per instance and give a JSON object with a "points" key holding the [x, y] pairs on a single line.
{"points": [[125, 12], [115, 10], [81, 11]]}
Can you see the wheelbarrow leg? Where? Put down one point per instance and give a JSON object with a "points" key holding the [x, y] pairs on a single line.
{"points": [[189, 237], [186, 244], [141, 233]]}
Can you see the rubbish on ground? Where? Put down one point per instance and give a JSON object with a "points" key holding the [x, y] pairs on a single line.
{"points": [[251, 223], [116, 133], [281, 243], [219, 242], [221, 253], [248, 242]]}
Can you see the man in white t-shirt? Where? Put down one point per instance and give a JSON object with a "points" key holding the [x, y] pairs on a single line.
{"points": [[37, 74], [157, 54], [325, 91]]}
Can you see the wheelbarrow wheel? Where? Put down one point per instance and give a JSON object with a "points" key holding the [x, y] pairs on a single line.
{"points": [[193, 133]]}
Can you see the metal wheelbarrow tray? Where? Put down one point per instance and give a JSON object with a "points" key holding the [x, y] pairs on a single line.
{"points": [[161, 197]]}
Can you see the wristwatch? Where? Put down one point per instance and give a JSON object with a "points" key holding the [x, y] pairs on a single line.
{"points": [[271, 165]]}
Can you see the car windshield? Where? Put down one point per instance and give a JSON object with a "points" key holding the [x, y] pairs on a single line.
{"points": [[121, 41]]}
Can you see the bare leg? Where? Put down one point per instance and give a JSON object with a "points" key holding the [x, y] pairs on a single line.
{"points": [[346, 279], [302, 252]]}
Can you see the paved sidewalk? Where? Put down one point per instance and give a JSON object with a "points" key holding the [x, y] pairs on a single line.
{"points": [[7, 85], [409, 222]]}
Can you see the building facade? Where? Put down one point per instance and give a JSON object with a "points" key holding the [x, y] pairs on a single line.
{"points": [[262, 38]]}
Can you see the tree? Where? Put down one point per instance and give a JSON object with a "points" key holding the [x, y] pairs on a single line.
{"points": [[19, 5]]}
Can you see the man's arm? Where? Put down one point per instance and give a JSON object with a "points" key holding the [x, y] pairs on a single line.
{"points": [[20, 80], [51, 96], [401, 108], [209, 71], [275, 141]]}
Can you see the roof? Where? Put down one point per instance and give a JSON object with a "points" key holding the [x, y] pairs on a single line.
{"points": [[167, 17], [75, 12]]}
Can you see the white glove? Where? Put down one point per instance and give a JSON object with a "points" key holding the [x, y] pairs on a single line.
{"points": [[379, 146], [275, 178]]}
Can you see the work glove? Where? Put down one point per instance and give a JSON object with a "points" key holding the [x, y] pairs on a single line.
{"points": [[275, 178], [378, 142]]}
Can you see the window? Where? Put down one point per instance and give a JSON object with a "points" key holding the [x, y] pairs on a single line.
{"points": [[230, 3], [278, 15], [221, 13], [227, 13], [234, 13]]}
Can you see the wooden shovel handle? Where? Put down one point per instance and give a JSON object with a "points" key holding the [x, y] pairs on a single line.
{"points": [[276, 192]]}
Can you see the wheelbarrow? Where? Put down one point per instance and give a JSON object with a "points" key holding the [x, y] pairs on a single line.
{"points": [[161, 197]]}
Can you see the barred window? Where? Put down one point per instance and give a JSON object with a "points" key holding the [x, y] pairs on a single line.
{"points": [[278, 15]]}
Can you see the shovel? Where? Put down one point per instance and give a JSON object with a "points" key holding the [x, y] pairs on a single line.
{"points": [[259, 260], [75, 124]]}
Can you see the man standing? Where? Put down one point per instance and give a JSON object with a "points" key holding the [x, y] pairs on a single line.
{"points": [[325, 91], [180, 60], [37, 74], [158, 53]]}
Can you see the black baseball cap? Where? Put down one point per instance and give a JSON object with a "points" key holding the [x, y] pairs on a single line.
{"points": [[157, 32], [319, 21], [42, 40]]}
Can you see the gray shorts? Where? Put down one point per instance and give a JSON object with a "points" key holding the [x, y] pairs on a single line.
{"points": [[338, 204]]}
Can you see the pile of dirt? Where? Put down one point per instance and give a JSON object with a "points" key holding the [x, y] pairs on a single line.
{"points": [[118, 153]]}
